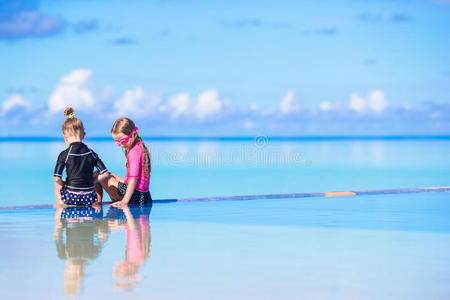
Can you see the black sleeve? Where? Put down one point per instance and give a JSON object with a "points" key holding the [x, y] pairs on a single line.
{"points": [[60, 164], [98, 163]]}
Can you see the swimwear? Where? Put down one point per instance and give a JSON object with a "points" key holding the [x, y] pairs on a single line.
{"points": [[78, 198], [79, 162], [135, 169], [138, 197]]}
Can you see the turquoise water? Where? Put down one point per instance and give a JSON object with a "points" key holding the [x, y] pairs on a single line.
{"points": [[185, 169], [356, 247], [362, 247]]}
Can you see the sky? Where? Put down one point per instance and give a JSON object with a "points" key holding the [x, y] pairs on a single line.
{"points": [[227, 68]]}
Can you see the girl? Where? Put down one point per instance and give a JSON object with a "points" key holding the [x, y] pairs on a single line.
{"points": [[79, 187], [134, 189]]}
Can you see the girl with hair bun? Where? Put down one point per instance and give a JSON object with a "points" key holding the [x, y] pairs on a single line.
{"points": [[81, 185], [134, 189]]}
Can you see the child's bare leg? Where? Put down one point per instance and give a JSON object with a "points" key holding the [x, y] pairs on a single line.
{"points": [[58, 188], [110, 185]]}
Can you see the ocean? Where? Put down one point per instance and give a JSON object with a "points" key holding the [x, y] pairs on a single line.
{"points": [[388, 246], [189, 168]]}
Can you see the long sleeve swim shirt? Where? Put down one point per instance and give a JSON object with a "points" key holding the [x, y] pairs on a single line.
{"points": [[79, 162], [134, 168]]}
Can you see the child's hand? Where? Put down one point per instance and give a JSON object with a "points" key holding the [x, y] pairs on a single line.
{"points": [[120, 204], [97, 206]]}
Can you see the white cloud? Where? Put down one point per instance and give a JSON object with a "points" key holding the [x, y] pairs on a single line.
{"points": [[375, 101], [75, 89], [289, 104], [14, 102], [208, 104], [185, 113], [137, 103], [357, 103], [325, 106], [179, 104], [253, 106]]}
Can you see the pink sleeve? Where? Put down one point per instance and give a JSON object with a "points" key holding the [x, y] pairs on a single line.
{"points": [[134, 162]]}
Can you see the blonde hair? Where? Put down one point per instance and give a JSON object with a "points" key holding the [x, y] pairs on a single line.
{"points": [[72, 124], [126, 126]]}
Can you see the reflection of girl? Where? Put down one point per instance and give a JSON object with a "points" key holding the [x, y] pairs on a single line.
{"points": [[126, 272], [85, 236]]}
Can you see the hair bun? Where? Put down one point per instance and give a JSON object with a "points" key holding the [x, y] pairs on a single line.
{"points": [[68, 112]]}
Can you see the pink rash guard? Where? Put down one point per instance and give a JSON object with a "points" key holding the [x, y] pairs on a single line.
{"points": [[135, 170]]}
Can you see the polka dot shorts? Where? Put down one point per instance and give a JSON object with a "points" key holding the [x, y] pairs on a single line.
{"points": [[79, 198]]}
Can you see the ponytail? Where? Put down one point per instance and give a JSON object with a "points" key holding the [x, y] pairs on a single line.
{"points": [[72, 124]]}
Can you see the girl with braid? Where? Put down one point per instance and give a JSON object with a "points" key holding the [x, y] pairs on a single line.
{"points": [[134, 189]]}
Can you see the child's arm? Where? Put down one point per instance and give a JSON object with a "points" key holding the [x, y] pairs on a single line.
{"points": [[130, 190], [57, 174], [58, 186]]}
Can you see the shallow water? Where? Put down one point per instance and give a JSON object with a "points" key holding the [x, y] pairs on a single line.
{"points": [[361, 247], [185, 169], [354, 247]]}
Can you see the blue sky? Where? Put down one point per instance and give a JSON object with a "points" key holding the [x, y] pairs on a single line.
{"points": [[227, 67]]}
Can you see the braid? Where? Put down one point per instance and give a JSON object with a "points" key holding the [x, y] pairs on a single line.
{"points": [[133, 140], [146, 161]]}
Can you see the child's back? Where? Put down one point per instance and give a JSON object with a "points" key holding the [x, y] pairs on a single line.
{"points": [[79, 188], [79, 162]]}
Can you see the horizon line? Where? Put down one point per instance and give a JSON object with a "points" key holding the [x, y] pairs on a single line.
{"points": [[238, 138]]}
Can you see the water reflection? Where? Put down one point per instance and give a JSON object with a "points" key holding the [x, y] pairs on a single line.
{"points": [[87, 230], [137, 225]]}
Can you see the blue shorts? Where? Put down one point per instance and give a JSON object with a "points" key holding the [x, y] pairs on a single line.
{"points": [[83, 198]]}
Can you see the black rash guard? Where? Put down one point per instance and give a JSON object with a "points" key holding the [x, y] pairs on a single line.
{"points": [[79, 162]]}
